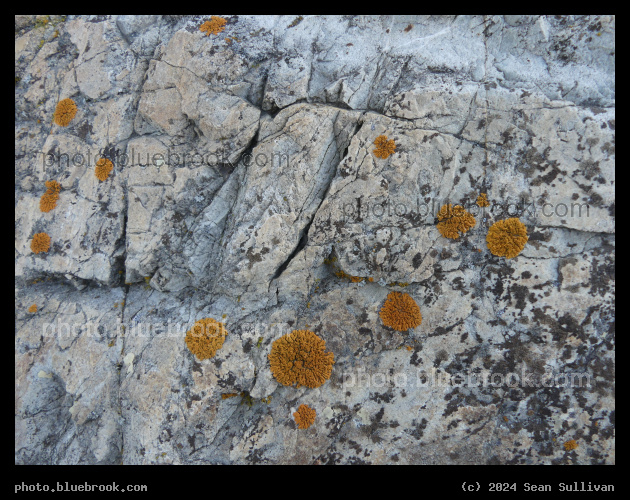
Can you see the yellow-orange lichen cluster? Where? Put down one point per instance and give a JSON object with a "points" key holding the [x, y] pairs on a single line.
{"points": [[454, 221], [304, 416], [299, 358], [40, 243], [33, 308], [354, 279], [507, 237], [570, 445], [400, 312], [48, 201], [65, 111], [205, 338], [215, 26], [384, 148], [103, 168], [482, 200], [228, 395]]}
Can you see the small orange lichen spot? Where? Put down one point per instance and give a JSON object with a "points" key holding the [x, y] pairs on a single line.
{"points": [[409, 348], [215, 26], [52, 186], [304, 416], [66, 109], [479, 250], [400, 312], [570, 445], [482, 200], [103, 168], [229, 395], [205, 338], [454, 221], [299, 358], [33, 308], [506, 419], [384, 148], [228, 40], [40, 243], [370, 279], [507, 238], [356, 279]]}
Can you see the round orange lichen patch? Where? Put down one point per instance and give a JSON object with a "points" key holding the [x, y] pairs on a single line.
{"points": [[482, 200], [103, 169], [65, 111], [304, 416], [384, 148], [299, 358], [454, 221], [40, 243], [215, 26], [205, 338], [48, 201], [570, 445], [507, 237], [33, 308], [400, 312]]}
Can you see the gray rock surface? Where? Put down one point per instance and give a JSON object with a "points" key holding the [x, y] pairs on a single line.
{"points": [[245, 189]]}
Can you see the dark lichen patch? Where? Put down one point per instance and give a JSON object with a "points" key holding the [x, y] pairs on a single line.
{"points": [[521, 294], [371, 430], [417, 430], [416, 261], [386, 397]]}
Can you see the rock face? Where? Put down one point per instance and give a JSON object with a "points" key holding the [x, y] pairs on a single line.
{"points": [[245, 188]]}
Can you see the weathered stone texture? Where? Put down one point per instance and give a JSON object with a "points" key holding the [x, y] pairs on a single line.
{"points": [[245, 188]]}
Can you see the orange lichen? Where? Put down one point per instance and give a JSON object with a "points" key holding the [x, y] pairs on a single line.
{"points": [[65, 111], [48, 201], [400, 312], [570, 445], [454, 221], [52, 187], [40, 243], [299, 358], [205, 338], [482, 200], [103, 169], [384, 148], [215, 26], [507, 237], [229, 395], [33, 308], [304, 416], [398, 283]]}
